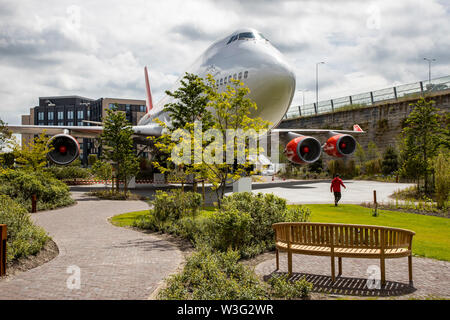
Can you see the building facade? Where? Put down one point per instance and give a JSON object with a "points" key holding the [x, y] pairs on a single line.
{"points": [[72, 110]]}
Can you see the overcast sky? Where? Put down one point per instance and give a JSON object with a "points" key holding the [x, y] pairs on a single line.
{"points": [[99, 48]]}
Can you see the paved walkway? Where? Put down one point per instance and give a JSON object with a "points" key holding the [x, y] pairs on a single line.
{"points": [[115, 263], [303, 192], [431, 277]]}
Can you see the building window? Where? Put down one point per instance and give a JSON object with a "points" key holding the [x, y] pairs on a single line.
{"points": [[240, 75], [40, 116], [60, 115], [245, 74], [235, 76], [142, 108], [111, 105], [80, 123], [70, 114], [70, 123], [88, 114], [221, 81], [229, 78], [80, 114], [60, 123], [50, 115]]}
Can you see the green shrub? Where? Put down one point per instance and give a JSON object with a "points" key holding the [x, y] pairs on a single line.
{"points": [[24, 238], [372, 167], [231, 228], [110, 194], [282, 288], [20, 185], [92, 158], [102, 170], [68, 172], [297, 214], [264, 209], [175, 204], [245, 222], [214, 276]]}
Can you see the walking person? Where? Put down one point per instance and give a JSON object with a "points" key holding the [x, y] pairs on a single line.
{"points": [[335, 187]]}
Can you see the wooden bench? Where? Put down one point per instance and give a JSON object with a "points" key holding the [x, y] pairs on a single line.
{"points": [[343, 241]]}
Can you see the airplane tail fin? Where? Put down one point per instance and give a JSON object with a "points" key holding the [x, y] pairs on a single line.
{"points": [[149, 102], [357, 128]]}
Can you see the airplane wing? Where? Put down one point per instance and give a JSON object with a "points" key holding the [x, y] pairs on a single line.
{"points": [[152, 129], [356, 129], [82, 132]]}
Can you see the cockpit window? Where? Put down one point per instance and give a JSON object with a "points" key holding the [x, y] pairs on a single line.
{"points": [[246, 35], [232, 38]]}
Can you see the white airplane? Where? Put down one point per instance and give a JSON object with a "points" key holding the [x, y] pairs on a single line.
{"points": [[245, 55]]}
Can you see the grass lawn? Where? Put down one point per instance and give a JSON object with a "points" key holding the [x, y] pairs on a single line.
{"points": [[127, 219], [432, 239]]}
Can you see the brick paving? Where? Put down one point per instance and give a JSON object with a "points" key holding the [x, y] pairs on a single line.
{"points": [[431, 277], [115, 263]]}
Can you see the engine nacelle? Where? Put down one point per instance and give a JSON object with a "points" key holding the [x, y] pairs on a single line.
{"points": [[340, 145], [65, 149], [303, 149]]}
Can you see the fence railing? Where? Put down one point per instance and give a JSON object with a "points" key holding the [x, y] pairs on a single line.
{"points": [[369, 98]]}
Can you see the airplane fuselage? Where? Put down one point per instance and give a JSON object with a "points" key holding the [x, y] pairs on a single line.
{"points": [[245, 55]]}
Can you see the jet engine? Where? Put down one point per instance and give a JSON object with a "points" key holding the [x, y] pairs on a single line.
{"points": [[65, 149], [340, 145], [303, 149]]}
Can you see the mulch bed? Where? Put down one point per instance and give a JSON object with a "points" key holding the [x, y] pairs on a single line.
{"points": [[47, 253]]}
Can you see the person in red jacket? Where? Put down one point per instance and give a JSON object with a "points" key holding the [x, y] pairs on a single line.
{"points": [[335, 187]]}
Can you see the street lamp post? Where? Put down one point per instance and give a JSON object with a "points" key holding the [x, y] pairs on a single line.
{"points": [[317, 85], [429, 68]]}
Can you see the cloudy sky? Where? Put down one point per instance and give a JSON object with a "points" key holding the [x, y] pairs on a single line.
{"points": [[99, 48]]}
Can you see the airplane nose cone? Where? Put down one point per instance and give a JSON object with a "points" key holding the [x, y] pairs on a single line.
{"points": [[272, 90]]}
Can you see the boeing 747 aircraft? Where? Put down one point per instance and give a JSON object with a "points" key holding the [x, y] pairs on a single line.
{"points": [[245, 55]]}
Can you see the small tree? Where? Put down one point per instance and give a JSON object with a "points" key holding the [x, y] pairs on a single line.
{"points": [[118, 147], [190, 105], [360, 154], [224, 112], [442, 174], [5, 140], [422, 138], [5, 135], [32, 156], [372, 151], [230, 111], [390, 161], [102, 170], [190, 102]]}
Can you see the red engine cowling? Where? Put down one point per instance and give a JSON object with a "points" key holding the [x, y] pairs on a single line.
{"points": [[303, 149], [65, 149], [340, 145]]}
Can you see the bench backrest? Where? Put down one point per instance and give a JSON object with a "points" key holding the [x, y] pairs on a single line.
{"points": [[342, 235]]}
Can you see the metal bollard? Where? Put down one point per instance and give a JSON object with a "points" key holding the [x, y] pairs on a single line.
{"points": [[3, 236]]}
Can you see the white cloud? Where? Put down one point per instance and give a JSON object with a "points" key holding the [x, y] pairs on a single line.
{"points": [[99, 48]]}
